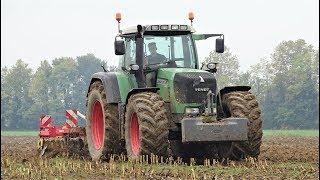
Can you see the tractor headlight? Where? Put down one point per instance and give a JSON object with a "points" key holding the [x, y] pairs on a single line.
{"points": [[211, 65], [192, 111]]}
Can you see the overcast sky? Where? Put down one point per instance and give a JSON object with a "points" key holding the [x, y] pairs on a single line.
{"points": [[35, 30]]}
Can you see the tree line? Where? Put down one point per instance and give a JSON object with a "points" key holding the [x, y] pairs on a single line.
{"points": [[286, 84], [52, 89]]}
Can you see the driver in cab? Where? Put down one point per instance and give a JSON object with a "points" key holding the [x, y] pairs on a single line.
{"points": [[154, 57]]}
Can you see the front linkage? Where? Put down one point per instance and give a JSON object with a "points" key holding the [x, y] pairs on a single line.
{"points": [[206, 128]]}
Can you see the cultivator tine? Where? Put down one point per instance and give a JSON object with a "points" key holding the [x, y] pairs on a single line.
{"points": [[40, 143], [43, 151]]}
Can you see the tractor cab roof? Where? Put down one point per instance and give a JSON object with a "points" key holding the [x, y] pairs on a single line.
{"points": [[160, 28]]}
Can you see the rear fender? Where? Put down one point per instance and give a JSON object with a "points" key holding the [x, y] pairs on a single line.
{"points": [[110, 83]]}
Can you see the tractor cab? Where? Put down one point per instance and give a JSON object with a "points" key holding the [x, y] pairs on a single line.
{"points": [[169, 46], [161, 46]]}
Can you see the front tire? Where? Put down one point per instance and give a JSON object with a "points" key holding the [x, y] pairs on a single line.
{"points": [[146, 125], [244, 104], [102, 128]]}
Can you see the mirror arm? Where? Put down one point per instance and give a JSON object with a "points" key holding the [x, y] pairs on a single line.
{"points": [[104, 69]]}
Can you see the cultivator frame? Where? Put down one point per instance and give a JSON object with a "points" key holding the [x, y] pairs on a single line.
{"points": [[66, 138]]}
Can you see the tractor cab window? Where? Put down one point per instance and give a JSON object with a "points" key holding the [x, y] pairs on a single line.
{"points": [[177, 50], [130, 55]]}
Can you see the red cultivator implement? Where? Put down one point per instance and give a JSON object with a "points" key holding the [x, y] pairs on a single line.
{"points": [[66, 138]]}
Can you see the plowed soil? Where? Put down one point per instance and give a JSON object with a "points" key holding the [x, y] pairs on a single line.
{"points": [[280, 158]]}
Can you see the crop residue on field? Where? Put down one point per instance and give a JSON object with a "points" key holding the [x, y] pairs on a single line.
{"points": [[281, 157]]}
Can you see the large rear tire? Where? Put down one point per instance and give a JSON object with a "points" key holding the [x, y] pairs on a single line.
{"points": [[146, 125], [244, 104], [102, 129]]}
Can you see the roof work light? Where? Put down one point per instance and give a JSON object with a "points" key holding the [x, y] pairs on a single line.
{"points": [[191, 17], [118, 18]]}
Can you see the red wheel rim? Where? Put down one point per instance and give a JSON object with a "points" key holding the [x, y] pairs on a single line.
{"points": [[97, 129], [134, 134]]}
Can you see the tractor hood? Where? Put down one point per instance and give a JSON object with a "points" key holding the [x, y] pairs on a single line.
{"points": [[184, 87]]}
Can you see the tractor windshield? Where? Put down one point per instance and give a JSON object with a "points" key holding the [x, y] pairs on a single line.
{"points": [[177, 50]]}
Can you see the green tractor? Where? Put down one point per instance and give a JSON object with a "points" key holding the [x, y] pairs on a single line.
{"points": [[162, 102]]}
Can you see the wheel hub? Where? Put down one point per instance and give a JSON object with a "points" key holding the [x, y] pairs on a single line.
{"points": [[97, 128], [134, 134]]}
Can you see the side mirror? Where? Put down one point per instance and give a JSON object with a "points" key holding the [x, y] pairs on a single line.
{"points": [[220, 45], [119, 47]]}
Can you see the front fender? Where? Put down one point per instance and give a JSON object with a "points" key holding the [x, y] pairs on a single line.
{"points": [[228, 89], [221, 107], [139, 90]]}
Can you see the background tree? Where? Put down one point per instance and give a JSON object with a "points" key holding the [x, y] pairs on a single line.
{"points": [[41, 91], [62, 83], [16, 100], [259, 78], [4, 99], [291, 101]]}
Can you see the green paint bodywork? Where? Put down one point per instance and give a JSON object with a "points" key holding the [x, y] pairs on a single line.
{"points": [[165, 78], [167, 91], [126, 82]]}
